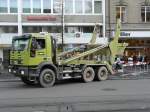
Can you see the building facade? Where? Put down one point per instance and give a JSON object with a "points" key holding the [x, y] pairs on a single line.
{"points": [[135, 19], [34, 16]]}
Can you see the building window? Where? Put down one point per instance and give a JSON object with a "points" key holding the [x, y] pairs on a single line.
{"points": [[32, 29], [78, 6], [121, 13], [55, 29], [88, 6], [57, 6], [88, 29], [145, 13], [13, 6], [47, 6], [36, 6], [97, 6], [26, 6], [73, 29], [68, 6], [9, 29], [3, 6]]}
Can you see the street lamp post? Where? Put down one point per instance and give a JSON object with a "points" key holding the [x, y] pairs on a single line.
{"points": [[109, 19], [60, 7], [20, 17], [62, 23]]}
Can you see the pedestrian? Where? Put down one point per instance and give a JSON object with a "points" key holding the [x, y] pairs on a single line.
{"points": [[118, 63], [146, 59], [134, 59]]}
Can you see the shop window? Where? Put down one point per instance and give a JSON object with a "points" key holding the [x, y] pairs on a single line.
{"points": [[148, 42]]}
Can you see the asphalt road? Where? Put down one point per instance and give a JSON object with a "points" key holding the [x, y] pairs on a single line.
{"points": [[75, 96]]}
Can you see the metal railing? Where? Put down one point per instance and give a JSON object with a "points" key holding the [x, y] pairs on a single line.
{"points": [[136, 68]]}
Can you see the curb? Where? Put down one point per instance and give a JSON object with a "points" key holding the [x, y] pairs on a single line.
{"points": [[10, 80]]}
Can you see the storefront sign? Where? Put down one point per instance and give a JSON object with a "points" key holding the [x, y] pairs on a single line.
{"points": [[125, 34], [41, 18], [134, 34]]}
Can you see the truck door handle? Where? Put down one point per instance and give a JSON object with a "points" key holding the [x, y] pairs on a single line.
{"points": [[40, 53]]}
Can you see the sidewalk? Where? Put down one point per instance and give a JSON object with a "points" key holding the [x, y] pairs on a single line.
{"points": [[132, 73], [130, 76]]}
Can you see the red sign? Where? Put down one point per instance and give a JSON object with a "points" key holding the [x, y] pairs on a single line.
{"points": [[41, 18]]}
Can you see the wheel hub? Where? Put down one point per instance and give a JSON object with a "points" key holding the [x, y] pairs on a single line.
{"points": [[88, 75], [102, 74], [48, 78]]}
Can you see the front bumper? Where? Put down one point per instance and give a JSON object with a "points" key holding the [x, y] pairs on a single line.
{"points": [[23, 71]]}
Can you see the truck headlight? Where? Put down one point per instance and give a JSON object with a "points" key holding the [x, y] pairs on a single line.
{"points": [[22, 72]]}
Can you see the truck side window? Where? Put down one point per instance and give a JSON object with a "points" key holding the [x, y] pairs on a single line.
{"points": [[37, 44], [40, 43]]}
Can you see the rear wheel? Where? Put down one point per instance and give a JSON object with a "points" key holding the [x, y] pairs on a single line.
{"points": [[27, 81], [47, 78], [102, 74], [88, 74]]}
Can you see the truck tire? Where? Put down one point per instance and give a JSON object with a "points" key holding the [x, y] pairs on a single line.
{"points": [[47, 78], [88, 74], [26, 81], [102, 74]]}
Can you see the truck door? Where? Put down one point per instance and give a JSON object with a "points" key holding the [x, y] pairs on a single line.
{"points": [[38, 51], [53, 45]]}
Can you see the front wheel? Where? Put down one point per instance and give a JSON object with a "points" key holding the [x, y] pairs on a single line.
{"points": [[88, 74], [47, 78]]}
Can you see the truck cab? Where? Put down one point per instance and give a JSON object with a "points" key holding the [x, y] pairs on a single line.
{"points": [[31, 52]]}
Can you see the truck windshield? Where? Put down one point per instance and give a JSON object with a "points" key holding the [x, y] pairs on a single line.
{"points": [[20, 44]]}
